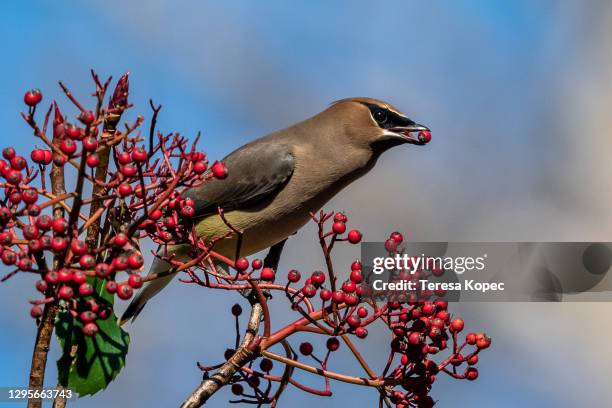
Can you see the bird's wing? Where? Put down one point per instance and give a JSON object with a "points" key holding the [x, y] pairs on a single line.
{"points": [[256, 173]]}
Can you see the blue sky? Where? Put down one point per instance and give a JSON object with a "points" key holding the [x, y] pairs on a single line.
{"points": [[503, 85]]}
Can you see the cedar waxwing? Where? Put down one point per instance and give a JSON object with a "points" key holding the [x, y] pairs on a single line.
{"points": [[275, 182]]}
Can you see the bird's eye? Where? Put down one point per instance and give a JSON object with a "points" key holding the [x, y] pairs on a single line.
{"points": [[380, 116]]}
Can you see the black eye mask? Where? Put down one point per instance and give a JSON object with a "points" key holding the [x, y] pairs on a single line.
{"points": [[386, 118]]}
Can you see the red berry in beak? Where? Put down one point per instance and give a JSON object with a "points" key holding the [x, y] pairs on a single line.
{"points": [[32, 97], [424, 136]]}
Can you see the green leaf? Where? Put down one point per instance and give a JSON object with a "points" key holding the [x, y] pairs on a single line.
{"points": [[89, 364]]}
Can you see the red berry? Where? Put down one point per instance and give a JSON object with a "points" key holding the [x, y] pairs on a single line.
{"points": [[44, 222], [471, 373], [354, 236], [48, 156], [18, 163], [187, 211], [473, 359], [155, 215], [317, 278], [79, 277], [349, 287], [306, 348], [353, 321], [456, 325], [135, 260], [351, 299], [78, 247], [135, 281], [29, 196], [72, 131], [8, 153], [68, 147], [338, 297], [90, 329], [391, 245], [199, 167], [266, 365], [32, 97], [9, 257], [66, 292], [124, 158], [36, 311], [58, 244], [397, 237], [85, 289], [242, 264], [111, 287], [87, 117], [325, 294], [356, 276], [124, 291], [140, 155], [424, 136], [415, 338], [129, 170], [483, 342], [87, 261], [309, 290], [293, 275], [51, 277], [356, 266], [236, 310], [428, 309], [256, 264], [267, 274], [333, 344], [362, 312], [14, 177], [125, 189], [361, 332], [87, 316], [470, 338], [119, 263], [340, 217], [60, 225], [30, 231], [120, 240], [103, 270], [90, 144], [38, 156], [64, 275], [42, 285], [219, 170], [24, 264], [339, 227]]}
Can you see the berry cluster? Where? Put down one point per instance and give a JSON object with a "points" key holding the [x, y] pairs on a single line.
{"points": [[94, 256], [421, 329]]}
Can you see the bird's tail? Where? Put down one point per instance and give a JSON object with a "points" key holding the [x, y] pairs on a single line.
{"points": [[149, 290]]}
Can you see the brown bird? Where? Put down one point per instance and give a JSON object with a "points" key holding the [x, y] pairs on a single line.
{"points": [[275, 182]]}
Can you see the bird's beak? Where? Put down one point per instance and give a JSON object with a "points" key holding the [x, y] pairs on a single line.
{"points": [[412, 133]]}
